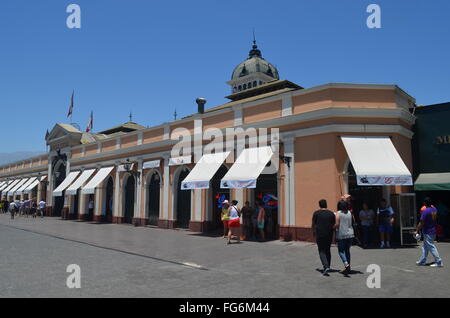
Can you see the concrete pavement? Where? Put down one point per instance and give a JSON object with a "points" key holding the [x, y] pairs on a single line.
{"points": [[126, 261]]}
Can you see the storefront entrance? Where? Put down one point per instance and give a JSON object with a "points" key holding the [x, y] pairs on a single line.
{"points": [[109, 200], [129, 191], [266, 190], [153, 198], [183, 202], [218, 196], [362, 194]]}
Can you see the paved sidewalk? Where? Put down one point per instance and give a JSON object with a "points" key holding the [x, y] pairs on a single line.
{"points": [[126, 261]]}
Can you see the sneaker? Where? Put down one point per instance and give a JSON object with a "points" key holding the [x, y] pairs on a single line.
{"points": [[382, 245], [440, 264], [420, 263], [325, 272], [388, 245]]}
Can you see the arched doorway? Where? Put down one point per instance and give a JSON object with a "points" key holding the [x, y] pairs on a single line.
{"points": [[182, 201], [218, 196], [129, 196], [58, 177], [76, 200], [109, 195], [153, 197]]}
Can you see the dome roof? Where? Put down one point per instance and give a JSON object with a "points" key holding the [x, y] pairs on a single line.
{"points": [[253, 64]]}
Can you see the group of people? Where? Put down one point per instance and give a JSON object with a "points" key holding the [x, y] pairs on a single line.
{"points": [[342, 226], [23, 208], [245, 223]]}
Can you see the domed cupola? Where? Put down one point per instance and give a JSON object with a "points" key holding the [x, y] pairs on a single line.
{"points": [[252, 72]]}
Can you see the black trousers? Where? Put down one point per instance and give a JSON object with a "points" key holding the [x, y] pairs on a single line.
{"points": [[324, 246]]}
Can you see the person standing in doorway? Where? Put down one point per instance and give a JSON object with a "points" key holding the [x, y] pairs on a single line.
{"points": [[344, 234], [427, 225], [385, 221], [247, 213], [366, 217], [91, 207], [225, 218], [260, 219], [323, 222]]}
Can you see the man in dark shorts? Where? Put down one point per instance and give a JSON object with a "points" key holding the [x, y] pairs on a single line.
{"points": [[323, 222]]}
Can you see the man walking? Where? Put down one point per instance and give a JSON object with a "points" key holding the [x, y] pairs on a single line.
{"points": [[427, 224], [323, 222]]}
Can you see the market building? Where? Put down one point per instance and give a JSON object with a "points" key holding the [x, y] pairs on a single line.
{"points": [[322, 142]]}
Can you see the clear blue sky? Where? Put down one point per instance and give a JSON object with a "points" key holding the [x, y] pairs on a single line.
{"points": [[154, 56]]}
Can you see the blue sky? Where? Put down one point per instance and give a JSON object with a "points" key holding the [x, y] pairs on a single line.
{"points": [[154, 56]]}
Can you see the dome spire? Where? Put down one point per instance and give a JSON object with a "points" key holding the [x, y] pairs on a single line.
{"points": [[254, 51]]}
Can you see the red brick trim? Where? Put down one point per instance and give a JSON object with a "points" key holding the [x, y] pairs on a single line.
{"points": [[296, 233]]}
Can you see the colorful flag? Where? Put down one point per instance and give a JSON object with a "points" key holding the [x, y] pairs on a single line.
{"points": [[90, 123], [69, 113]]}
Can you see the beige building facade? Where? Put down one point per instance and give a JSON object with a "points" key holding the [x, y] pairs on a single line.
{"points": [[128, 174]]}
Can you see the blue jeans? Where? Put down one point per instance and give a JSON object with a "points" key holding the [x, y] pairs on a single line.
{"points": [[344, 250], [428, 246]]}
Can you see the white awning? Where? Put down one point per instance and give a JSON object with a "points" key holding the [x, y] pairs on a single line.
{"points": [[96, 180], [247, 168], [72, 190], [376, 161], [16, 187], [58, 192], [43, 178], [4, 185], [31, 186], [203, 171], [10, 185], [25, 185]]}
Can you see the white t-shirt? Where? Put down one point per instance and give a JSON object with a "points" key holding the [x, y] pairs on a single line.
{"points": [[234, 214], [41, 204]]}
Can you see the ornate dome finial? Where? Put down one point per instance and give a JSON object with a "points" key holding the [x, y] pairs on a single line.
{"points": [[254, 51]]}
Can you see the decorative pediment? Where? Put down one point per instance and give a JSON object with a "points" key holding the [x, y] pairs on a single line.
{"points": [[63, 135]]}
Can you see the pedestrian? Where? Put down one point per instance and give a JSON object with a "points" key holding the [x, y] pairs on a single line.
{"points": [[233, 222], [344, 234], [33, 208], [366, 217], [385, 221], [12, 210], [427, 224], [260, 219], [91, 207], [41, 208], [247, 214], [323, 222], [225, 218]]}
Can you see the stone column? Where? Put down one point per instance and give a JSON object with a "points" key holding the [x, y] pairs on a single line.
{"points": [[139, 216], [164, 217], [288, 228], [117, 207]]}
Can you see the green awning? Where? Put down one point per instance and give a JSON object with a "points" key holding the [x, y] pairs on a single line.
{"points": [[433, 182]]}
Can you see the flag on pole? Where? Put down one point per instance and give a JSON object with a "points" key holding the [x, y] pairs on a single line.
{"points": [[90, 123], [69, 113]]}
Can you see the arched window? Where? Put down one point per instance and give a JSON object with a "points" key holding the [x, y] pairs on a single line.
{"points": [[240, 88], [250, 85], [255, 83], [244, 86], [260, 82]]}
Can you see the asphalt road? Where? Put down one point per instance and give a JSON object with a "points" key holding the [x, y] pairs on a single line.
{"points": [[126, 261]]}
